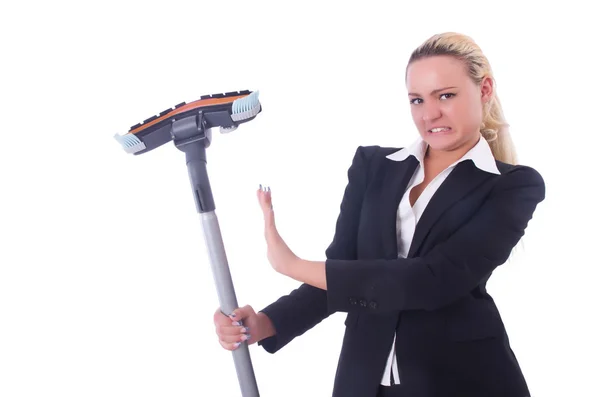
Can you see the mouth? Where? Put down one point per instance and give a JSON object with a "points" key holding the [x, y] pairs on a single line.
{"points": [[439, 130]]}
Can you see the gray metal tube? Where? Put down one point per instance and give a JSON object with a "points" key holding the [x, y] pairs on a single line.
{"points": [[227, 298]]}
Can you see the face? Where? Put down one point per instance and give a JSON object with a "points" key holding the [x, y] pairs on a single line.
{"points": [[441, 94]]}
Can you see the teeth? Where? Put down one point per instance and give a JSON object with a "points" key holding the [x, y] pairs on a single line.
{"points": [[439, 129]]}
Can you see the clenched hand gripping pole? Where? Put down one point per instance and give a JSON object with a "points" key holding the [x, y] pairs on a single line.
{"points": [[189, 127]]}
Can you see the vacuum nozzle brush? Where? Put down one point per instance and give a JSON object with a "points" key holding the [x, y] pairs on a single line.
{"points": [[226, 111]]}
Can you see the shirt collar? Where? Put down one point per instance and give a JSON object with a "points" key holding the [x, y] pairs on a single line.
{"points": [[481, 155]]}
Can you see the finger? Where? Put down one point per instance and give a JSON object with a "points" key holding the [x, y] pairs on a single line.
{"points": [[230, 345], [227, 330], [234, 338], [220, 318], [263, 200], [241, 313], [265, 197]]}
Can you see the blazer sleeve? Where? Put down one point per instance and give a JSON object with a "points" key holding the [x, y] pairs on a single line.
{"points": [[294, 314], [451, 269]]}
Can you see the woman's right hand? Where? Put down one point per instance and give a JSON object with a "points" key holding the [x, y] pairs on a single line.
{"points": [[232, 333]]}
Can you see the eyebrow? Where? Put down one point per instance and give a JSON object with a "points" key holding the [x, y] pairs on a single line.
{"points": [[432, 92]]}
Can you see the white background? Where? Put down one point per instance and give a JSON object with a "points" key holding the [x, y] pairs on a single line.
{"points": [[105, 285]]}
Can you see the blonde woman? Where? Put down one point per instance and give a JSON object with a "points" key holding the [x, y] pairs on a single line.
{"points": [[420, 231]]}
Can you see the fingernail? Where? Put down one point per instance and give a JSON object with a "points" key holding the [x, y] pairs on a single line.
{"points": [[269, 188], [260, 186], [245, 336], [237, 344], [232, 315], [245, 329], [236, 323]]}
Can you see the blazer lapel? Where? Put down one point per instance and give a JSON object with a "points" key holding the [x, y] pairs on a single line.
{"points": [[395, 181], [464, 178]]}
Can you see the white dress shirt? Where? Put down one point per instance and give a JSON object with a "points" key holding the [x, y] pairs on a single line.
{"points": [[408, 217]]}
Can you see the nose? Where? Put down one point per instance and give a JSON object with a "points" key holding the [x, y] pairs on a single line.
{"points": [[431, 112]]}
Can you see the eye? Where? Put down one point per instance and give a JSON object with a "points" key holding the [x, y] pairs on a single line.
{"points": [[413, 101], [451, 95]]}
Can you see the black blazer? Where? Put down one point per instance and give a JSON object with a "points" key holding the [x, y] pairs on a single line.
{"points": [[451, 340]]}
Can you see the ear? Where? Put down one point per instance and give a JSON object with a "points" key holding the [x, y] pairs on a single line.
{"points": [[487, 89]]}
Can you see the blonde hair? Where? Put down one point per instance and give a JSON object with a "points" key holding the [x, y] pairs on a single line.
{"points": [[494, 127]]}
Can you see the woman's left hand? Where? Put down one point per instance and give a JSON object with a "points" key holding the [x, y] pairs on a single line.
{"points": [[279, 254]]}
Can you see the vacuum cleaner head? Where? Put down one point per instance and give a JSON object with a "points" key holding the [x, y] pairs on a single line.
{"points": [[226, 111]]}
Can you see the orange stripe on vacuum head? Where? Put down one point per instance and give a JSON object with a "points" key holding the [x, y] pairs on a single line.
{"points": [[190, 106]]}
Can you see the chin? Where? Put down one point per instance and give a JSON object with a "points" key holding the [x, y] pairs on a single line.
{"points": [[441, 142]]}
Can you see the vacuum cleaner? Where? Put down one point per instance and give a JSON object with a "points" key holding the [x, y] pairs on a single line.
{"points": [[189, 126]]}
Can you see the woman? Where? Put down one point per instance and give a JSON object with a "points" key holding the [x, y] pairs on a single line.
{"points": [[420, 231]]}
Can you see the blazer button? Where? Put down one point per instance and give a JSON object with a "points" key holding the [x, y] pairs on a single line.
{"points": [[363, 303], [373, 305], [353, 301]]}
